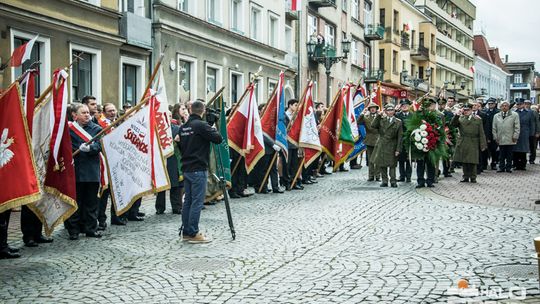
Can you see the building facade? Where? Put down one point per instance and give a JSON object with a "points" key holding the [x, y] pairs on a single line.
{"points": [[218, 43], [407, 54], [521, 79], [490, 75], [114, 62], [454, 46]]}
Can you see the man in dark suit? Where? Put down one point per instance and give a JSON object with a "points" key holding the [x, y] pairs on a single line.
{"points": [[492, 152], [6, 252], [405, 169], [293, 162], [483, 155], [174, 176], [87, 175]]}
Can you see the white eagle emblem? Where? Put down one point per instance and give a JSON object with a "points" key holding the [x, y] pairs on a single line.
{"points": [[5, 154]]}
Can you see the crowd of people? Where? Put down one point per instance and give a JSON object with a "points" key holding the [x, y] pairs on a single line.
{"points": [[478, 137]]}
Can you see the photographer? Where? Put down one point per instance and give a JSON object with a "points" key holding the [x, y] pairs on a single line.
{"points": [[195, 137]]}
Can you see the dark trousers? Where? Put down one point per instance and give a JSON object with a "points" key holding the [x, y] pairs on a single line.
{"points": [[446, 167], [4, 224], [84, 220], [505, 157], [425, 165], [134, 210], [239, 178], [174, 196], [285, 179], [293, 166], [493, 153], [532, 148], [484, 157], [405, 169], [30, 225], [103, 201], [260, 171], [469, 171], [520, 160]]}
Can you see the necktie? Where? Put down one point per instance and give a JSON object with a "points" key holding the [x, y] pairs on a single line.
{"points": [[504, 115]]}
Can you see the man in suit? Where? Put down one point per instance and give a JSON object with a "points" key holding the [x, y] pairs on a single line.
{"points": [[478, 107], [405, 169], [527, 127], [174, 177], [6, 252], [293, 162], [489, 113], [506, 130], [533, 136], [388, 146], [372, 135]]}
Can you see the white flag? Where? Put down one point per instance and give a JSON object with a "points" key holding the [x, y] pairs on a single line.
{"points": [[309, 133], [129, 161], [163, 119]]}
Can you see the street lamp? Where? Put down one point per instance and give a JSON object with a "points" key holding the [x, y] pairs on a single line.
{"points": [[320, 52], [454, 89], [416, 81]]}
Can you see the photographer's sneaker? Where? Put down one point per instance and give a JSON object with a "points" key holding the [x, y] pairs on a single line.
{"points": [[199, 239], [186, 238]]}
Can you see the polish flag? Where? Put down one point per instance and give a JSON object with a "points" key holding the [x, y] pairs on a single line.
{"points": [[22, 53], [296, 5], [244, 131], [473, 70]]}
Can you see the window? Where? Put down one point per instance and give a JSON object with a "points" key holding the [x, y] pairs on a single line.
{"points": [[382, 16], [421, 72], [368, 17], [85, 73], [213, 11], [187, 77], [394, 62], [40, 52], [396, 21], [518, 78], [213, 80], [133, 6], [94, 2], [421, 39], [366, 57], [237, 23], [432, 44], [354, 51], [255, 23], [381, 59], [257, 92], [272, 84], [344, 5], [187, 6], [288, 39], [273, 22], [312, 27], [354, 9], [330, 35], [236, 85], [132, 73]]}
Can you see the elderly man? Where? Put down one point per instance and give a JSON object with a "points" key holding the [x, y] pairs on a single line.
{"points": [[388, 145], [367, 117], [470, 142], [533, 136], [506, 129], [527, 127]]}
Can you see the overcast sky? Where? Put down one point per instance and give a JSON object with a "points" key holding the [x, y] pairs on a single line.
{"points": [[512, 26]]}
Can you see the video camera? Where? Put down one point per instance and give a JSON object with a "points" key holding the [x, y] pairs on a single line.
{"points": [[212, 116]]}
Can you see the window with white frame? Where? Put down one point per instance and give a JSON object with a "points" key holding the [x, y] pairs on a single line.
{"points": [[213, 79], [273, 22], [354, 51], [213, 11], [330, 34], [236, 84], [312, 27], [85, 72], [94, 2], [132, 73], [366, 56], [133, 6], [40, 52], [237, 20], [368, 17], [518, 78], [258, 90], [272, 84], [187, 78], [354, 8], [288, 39], [344, 5], [187, 6], [255, 23]]}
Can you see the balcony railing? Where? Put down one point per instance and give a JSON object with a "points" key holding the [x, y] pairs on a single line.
{"points": [[373, 76], [136, 29], [405, 41], [324, 51], [420, 52], [374, 32], [322, 3]]}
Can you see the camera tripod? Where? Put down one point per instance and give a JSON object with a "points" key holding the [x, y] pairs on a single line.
{"points": [[220, 174]]}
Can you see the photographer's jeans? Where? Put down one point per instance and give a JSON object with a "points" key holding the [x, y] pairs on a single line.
{"points": [[195, 191]]}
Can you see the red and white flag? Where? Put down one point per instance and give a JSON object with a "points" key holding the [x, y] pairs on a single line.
{"points": [[29, 98], [22, 53], [163, 119], [134, 159], [473, 69], [349, 91], [20, 184], [296, 5], [244, 130]]}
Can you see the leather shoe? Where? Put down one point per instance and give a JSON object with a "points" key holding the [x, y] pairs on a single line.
{"points": [[177, 212], [74, 237], [234, 195], [30, 243], [356, 167], [448, 175], [141, 214], [6, 254], [298, 187], [408, 180], [393, 185], [401, 179], [308, 182], [384, 184], [93, 234], [370, 179], [473, 180], [420, 186], [465, 180], [43, 240], [121, 222], [136, 219], [101, 227], [377, 179], [13, 249], [160, 211], [277, 191], [431, 186]]}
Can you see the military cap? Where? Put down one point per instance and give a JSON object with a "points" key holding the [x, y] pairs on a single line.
{"points": [[528, 101], [519, 100], [467, 106], [491, 100], [372, 104], [442, 101], [405, 102], [389, 107]]}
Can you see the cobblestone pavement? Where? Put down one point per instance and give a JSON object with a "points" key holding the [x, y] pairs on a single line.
{"points": [[343, 240]]}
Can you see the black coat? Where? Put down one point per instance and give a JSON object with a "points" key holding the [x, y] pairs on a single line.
{"points": [[172, 161], [195, 138], [86, 163], [488, 125]]}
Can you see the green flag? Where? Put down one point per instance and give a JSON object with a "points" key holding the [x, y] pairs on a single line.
{"points": [[223, 148], [346, 135]]}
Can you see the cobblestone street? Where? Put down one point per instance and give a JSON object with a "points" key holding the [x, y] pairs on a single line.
{"points": [[342, 240]]}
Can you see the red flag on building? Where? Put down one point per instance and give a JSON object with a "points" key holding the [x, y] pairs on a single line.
{"points": [[22, 53], [17, 167], [244, 131]]}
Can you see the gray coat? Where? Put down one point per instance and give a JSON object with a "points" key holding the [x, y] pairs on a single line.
{"points": [[504, 130], [527, 128]]}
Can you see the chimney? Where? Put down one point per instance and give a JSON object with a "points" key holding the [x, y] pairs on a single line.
{"points": [[506, 58]]}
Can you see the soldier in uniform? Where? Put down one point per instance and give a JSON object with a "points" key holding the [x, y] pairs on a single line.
{"points": [[489, 113], [405, 169], [367, 117], [471, 141], [388, 145]]}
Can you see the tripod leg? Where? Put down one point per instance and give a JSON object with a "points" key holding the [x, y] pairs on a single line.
{"points": [[220, 169]]}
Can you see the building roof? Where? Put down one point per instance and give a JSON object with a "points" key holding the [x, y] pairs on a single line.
{"points": [[490, 54], [519, 65]]}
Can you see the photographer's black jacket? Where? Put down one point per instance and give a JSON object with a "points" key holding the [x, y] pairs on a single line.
{"points": [[195, 137]]}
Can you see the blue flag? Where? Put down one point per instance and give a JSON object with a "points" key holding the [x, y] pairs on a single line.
{"points": [[281, 129], [359, 145]]}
